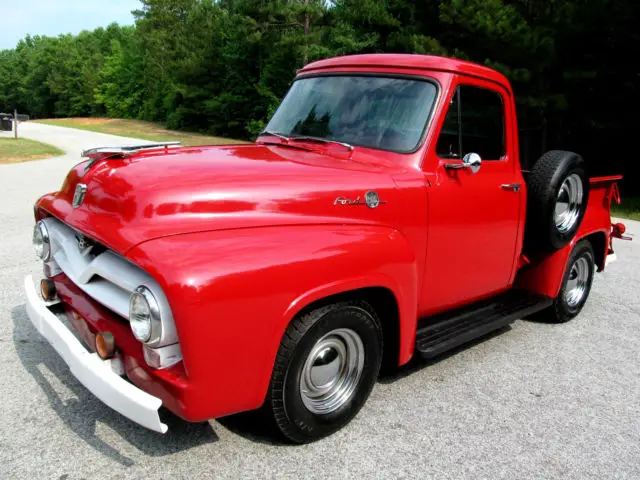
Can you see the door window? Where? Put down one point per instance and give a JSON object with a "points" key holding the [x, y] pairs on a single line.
{"points": [[474, 123]]}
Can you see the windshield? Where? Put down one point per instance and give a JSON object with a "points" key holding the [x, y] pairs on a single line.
{"points": [[376, 112]]}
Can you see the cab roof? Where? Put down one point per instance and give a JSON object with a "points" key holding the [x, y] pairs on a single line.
{"points": [[407, 61]]}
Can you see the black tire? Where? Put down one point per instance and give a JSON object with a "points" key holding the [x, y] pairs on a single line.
{"points": [[562, 310], [543, 184], [284, 402]]}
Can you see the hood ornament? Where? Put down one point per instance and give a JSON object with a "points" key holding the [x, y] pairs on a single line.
{"points": [[78, 196], [371, 200], [105, 153]]}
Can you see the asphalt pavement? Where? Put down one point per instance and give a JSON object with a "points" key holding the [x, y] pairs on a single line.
{"points": [[533, 401]]}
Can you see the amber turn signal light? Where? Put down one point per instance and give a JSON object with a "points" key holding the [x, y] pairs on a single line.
{"points": [[48, 290], [105, 345]]}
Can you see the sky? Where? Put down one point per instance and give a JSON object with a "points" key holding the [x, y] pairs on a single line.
{"points": [[54, 17]]}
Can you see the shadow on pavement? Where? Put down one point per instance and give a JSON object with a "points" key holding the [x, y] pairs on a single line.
{"points": [[81, 414], [255, 427]]}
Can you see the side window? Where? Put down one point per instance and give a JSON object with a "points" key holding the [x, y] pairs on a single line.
{"points": [[448, 145], [474, 123], [482, 122]]}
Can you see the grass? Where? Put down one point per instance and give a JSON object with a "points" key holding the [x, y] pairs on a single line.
{"points": [[23, 150], [629, 208], [137, 129]]}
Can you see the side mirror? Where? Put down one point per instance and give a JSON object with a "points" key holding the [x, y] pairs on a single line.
{"points": [[472, 161]]}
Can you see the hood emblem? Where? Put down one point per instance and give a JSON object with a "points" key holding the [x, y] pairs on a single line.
{"points": [[78, 196], [371, 200]]}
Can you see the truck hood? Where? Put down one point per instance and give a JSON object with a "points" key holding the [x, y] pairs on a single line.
{"points": [[154, 194]]}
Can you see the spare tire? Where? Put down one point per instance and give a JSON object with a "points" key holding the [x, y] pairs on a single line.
{"points": [[558, 192]]}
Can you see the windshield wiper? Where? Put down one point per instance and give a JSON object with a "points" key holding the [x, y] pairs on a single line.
{"points": [[305, 138], [275, 134]]}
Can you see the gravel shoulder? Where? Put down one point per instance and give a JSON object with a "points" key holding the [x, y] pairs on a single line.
{"points": [[534, 401]]}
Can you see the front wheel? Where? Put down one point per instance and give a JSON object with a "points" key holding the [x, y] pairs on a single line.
{"points": [[576, 285], [326, 366]]}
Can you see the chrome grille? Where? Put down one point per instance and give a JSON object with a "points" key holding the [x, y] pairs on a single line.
{"points": [[101, 273]]}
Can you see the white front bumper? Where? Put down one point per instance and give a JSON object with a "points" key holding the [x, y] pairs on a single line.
{"points": [[93, 372]]}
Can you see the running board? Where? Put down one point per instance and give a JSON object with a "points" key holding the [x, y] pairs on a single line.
{"points": [[451, 329]]}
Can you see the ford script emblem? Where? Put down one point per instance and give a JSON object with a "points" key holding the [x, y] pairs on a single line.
{"points": [[78, 196], [371, 200]]}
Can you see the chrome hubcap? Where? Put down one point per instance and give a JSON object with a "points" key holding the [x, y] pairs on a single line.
{"points": [[568, 203], [332, 370], [577, 283]]}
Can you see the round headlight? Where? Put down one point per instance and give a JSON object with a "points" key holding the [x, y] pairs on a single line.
{"points": [[41, 241], [144, 316]]}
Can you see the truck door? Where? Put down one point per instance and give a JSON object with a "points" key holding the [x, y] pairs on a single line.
{"points": [[474, 218]]}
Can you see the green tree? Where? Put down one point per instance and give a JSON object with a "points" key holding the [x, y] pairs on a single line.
{"points": [[160, 25], [120, 89]]}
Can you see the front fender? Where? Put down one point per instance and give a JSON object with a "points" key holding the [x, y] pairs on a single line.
{"points": [[234, 292]]}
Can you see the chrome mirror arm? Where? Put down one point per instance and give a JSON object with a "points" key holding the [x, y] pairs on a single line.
{"points": [[472, 161]]}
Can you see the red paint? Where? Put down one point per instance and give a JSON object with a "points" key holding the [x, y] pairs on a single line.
{"points": [[605, 180], [242, 237]]}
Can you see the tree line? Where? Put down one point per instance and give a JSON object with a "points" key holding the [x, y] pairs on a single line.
{"points": [[222, 66]]}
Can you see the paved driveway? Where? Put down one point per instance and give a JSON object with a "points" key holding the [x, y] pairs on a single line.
{"points": [[531, 402]]}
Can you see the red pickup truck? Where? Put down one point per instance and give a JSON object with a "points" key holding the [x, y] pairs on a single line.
{"points": [[382, 213]]}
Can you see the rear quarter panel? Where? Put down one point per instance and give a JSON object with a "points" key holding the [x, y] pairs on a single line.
{"points": [[545, 272], [234, 292]]}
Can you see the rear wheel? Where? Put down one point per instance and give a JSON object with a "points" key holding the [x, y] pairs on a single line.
{"points": [[576, 285], [326, 366]]}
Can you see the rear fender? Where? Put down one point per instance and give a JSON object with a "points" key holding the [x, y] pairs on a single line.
{"points": [[233, 293], [545, 272]]}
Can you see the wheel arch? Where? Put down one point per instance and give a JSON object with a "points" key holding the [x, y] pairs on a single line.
{"points": [[598, 242], [384, 303]]}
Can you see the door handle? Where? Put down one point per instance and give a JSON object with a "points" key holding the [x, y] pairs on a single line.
{"points": [[511, 186]]}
